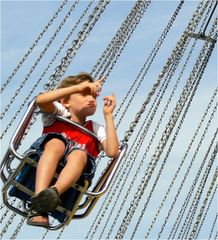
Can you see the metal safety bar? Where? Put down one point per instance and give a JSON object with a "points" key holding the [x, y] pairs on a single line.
{"points": [[99, 189]]}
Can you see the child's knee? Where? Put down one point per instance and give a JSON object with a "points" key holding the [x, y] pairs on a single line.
{"points": [[79, 155], [55, 145]]}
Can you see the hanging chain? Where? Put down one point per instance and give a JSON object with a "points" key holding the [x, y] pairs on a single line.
{"points": [[71, 52], [121, 42], [147, 65], [201, 70], [115, 39], [160, 171], [186, 201], [162, 166], [151, 58], [129, 34], [193, 208], [213, 226], [213, 182], [181, 164], [133, 156], [18, 228], [114, 222], [51, 84], [179, 47], [136, 145], [206, 212], [46, 232], [45, 71], [33, 46], [173, 119], [5, 228], [61, 232], [11, 101], [7, 210]]}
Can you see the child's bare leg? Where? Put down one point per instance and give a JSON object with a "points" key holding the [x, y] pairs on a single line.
{"points": [[53, 152], [76, 162]]}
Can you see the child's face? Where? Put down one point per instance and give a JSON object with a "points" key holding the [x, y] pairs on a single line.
{"points": [[83, 104]]}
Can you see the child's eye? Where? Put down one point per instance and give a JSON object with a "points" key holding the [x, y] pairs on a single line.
{"points": [[86, 92]]}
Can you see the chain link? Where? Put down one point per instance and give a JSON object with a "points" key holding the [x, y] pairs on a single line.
{"points": [[47, 231], [119, 51], [33, 46], [61, 232]]}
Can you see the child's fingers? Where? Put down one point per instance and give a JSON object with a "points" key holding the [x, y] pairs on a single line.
{"points": [[110, 100], [101, 79]]}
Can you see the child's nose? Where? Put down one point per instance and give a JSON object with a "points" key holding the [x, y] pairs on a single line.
{"points": [[91, 97]]}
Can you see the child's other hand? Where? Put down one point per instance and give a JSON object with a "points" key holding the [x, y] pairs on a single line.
{"points": [[109, 104]]}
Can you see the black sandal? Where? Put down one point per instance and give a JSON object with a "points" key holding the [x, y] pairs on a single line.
{"points": [[32, 214], [46, 201]]}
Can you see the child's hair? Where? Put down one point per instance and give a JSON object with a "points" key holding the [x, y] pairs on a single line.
{"points": [[74, 80]]}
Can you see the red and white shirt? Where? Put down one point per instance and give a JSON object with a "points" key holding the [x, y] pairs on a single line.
{"points": [[86, 141]]}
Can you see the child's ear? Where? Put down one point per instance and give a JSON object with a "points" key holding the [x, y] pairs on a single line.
{"points": [[64, 102]]}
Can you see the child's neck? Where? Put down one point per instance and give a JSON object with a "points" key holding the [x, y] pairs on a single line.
{"points": [[78, 119]]}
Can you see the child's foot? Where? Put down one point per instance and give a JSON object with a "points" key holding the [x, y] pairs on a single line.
{"points": [[38, 220], [46, 201]]}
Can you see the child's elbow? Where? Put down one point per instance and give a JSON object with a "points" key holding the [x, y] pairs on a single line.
{"points": [[113, 153], [39, 100]]}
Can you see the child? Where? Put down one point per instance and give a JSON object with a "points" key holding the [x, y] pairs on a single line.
{"points": [[75, 98]]}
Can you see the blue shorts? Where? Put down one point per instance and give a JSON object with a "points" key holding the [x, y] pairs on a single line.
{"points": [[39, 144]]}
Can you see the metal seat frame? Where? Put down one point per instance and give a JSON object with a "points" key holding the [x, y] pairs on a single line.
{"points": [[8, 175]]}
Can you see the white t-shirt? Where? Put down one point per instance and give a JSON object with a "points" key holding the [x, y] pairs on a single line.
{"points": [[60, 110]]}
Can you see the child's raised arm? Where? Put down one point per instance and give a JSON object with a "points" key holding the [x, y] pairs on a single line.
{"points": [[111, 144], [45, 101]]}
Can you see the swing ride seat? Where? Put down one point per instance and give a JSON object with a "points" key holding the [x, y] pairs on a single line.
{"points": [[20, 182]]}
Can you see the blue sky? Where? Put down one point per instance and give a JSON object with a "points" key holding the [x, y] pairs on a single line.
{"points": [[22, 21]]}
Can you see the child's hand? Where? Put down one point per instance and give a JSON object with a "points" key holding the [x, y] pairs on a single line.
{"points": [[94, 88], [100, 84], [109, 104]]}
